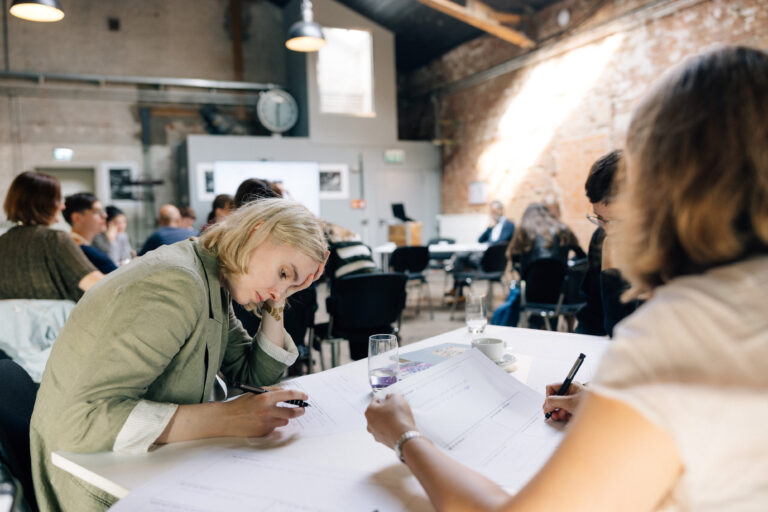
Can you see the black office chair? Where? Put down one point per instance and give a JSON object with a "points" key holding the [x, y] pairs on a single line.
{"points": [[542, 291], [17, 399], [438, 260], [359, 306], [300, 320], [413, 261], [492, 267]]}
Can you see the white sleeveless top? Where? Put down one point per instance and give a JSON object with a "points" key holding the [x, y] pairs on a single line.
{"points": [[694, 361]]}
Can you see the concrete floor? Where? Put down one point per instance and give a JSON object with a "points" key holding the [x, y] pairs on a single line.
{"points": [[414, 327]]}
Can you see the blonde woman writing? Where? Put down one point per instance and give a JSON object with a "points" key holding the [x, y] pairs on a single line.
{"points": [[137, 359]]}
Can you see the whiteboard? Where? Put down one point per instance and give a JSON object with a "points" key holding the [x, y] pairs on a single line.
{"points": [[300, 180]]}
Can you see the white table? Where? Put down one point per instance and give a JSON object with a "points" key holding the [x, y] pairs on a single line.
{"points": [[549, 355], [384, 251]]}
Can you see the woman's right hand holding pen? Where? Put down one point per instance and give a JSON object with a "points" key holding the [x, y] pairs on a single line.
{"points": [[562, 407], [253, 415]]}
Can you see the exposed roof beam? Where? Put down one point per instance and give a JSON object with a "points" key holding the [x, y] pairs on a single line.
{"points": [[483, 17]]}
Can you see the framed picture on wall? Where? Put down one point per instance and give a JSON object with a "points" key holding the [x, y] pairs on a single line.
{"points": [[478, 192], [115, 180], [206, 184], [334, 181]]}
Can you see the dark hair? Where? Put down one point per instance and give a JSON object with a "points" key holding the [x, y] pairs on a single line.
{"points": [[112, 212], [187, 212], [600, 182], [77, 203], [223, 201], [33, 198], [253, 189]]}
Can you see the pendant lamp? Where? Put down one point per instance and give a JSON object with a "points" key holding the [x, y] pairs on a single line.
{"points": [[37, 10], [305, 35]]}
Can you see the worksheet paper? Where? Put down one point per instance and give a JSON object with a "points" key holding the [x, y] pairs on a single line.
{"points": [[337, 403], [482, 417], [242, 479]]}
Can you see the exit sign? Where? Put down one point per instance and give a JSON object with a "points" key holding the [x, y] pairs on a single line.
{"points": [[394, 156]]}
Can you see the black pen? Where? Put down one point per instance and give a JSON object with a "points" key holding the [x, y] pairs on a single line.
{"points": [[256, 390], [567, 382]]}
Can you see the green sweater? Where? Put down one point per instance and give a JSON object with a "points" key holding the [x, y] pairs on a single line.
{"points": [[153, 333], [41, 263]]}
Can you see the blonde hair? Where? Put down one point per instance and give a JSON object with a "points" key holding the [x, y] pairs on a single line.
{"points": [[286, 222], [696, 193]]}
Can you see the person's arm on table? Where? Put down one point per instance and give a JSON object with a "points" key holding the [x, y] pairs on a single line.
{"points": [[247, 416], [612, 458]]}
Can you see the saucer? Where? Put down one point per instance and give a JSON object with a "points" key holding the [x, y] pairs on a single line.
{"points": [[507, 359]]}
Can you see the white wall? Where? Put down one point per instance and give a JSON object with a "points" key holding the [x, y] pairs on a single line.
{"points": [[420, 168], [381, 129]]}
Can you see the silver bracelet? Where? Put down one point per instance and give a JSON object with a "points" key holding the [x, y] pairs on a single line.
{"points": [[407, 436]]}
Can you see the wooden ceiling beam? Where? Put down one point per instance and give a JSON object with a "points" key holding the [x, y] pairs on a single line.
{"points": [[485, 18]]}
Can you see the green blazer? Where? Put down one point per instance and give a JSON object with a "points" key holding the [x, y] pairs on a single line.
{"points": [[157, 330]]}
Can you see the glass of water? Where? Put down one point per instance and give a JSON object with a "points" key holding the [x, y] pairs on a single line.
{"points": [[383, 360], [476, 313]]}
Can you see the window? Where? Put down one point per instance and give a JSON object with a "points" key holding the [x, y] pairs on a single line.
{"points": [[345, 73]]}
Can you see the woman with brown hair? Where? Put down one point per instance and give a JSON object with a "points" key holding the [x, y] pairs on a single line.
{"points": [[541, 235], [676, 415], [40, 262]]}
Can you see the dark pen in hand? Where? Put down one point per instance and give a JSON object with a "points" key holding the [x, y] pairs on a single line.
{"points": [[258, 391], [567, 382]]}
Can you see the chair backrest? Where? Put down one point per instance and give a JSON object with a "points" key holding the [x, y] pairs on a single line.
{"points": [[544, 280], [574, 277], [494, 258], [413, 258], [17, 399], [440, 256], [367, 300], [300, 313], [441, 240]]}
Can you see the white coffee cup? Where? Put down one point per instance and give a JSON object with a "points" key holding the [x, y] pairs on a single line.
{"points": [[493, 348]]}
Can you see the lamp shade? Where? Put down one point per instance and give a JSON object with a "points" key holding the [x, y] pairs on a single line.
{"points": [[37, 10], [305, 36]]}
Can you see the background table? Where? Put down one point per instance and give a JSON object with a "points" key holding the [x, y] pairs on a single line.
{"points": [[384, 251], [549, 357]]}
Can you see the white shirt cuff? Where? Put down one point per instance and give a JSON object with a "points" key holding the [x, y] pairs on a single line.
{"points": [[287, 355], [143, 426]]}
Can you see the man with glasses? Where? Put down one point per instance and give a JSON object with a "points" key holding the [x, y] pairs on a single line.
{"points": [[602, 285], [87, 217]]}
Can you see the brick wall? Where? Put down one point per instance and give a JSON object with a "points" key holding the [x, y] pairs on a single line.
{"points": [[534, 130]]}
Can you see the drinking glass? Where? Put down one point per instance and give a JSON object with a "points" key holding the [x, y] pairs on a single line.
{"points": [[383, 360], [476, 313]]}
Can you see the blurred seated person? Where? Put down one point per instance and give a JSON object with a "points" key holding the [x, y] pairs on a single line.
{"points": [[188, 217], [253, 189], [603, 284], [541, 235], [114, 241], [223, 205], [85, 214], [500, 229], [349, 255], [40, 262], [168, 231]]}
